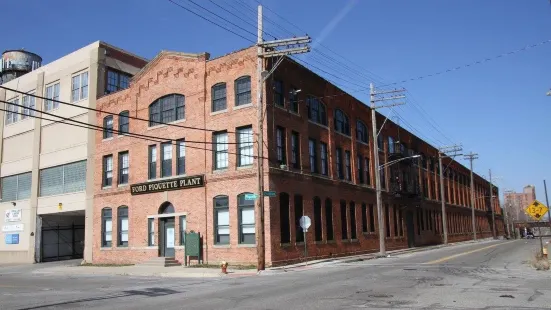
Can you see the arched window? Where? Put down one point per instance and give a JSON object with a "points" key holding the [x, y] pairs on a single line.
{"points": [[166, 208], [218, 94], [328, 219], [316, 111], [344, 226], [317, 219], [106, 227], [221, 220], [123, 122], [342, 123], [361, 132], [122, 226], [167, 109], [108, 127], [284, 221], [352, 219], [299, 212], [243, 90], [245, 209]]}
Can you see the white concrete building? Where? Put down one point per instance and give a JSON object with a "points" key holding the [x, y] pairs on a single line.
{"points": [[47, 167]]}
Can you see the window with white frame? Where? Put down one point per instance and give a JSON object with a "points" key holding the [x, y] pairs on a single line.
{"points": [[123, 167], [220, 150], [28, 106], [107, 170], [108, 127], [181, 157], [150, 231], [166, 159], [122, 218], [243, 90], [221, 220], [183, 227], [68, 178], [106, 227], [79, 87], [12, 113], [152, 159], [218, 93], [52, 97], [245, 146], [245, 209]]}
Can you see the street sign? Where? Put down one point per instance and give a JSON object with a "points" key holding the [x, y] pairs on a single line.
{"points": [[269, 193], [250, 196], [536, 210], [305, 222]]}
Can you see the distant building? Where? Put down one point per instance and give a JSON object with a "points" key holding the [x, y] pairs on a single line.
{"points": [[517, 202]]}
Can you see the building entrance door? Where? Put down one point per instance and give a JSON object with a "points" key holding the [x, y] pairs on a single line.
{"points": [[166, 237], [410, 229]]}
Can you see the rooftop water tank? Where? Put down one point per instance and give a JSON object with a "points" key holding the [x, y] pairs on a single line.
{"points": [[15, 63]]}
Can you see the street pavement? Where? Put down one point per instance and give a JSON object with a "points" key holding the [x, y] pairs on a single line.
{"points": [[485, 275]]}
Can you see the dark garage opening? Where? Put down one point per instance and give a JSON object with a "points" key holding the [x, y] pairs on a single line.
{"points": [[62, 236]]}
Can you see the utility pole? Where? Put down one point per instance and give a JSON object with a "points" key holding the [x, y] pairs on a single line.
{"points": [[472, 156], [373, 99], [492, 206], [265, 50], [547, 202], [507, 219], [441, 154]]}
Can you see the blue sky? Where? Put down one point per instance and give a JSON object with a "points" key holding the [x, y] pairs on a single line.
{"points": [[497, 109]]}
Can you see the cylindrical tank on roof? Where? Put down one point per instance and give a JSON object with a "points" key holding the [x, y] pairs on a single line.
{"points": [[15, 63]]}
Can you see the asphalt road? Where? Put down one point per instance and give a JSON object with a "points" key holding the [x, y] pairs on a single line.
{"points": [[488, 275]]}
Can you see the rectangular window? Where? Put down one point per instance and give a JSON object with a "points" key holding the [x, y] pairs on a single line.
{"points": [[122, 217], [340, 173], [364, 218], [324, 161], [124, 125], [151, 232], [116, 81], [166, 159], [107, 170], [317, 219], [360, 167], [295, 150], [371, 218], [347, 165], [79, 87], [293, 100], [12, 113], [108, 127], [395, 215], [387, 220], [221, 220], [220, 150], [280, 145], [219, 97], [278, 93], [329, 220], [123, 167], [181, 157], [344, 228], [183, 227], [298, 214], [245, 146], [383, 177], [107, 227], [284, 218], [28, 106], [16, 187], [246, 220], [313, 156], [243, 91], [52, 93], [353, 221], [152, 159], [400, 223], [68, 178]]}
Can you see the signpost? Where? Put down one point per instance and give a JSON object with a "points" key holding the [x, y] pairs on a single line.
{"points": [[269, 193], [305, 223], [537, 210]]}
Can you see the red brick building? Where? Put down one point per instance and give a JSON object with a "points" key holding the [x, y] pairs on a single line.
{"points": [[193, 175]]}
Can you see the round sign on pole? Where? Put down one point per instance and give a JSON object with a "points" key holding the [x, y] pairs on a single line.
{"points": [[305, 222]]}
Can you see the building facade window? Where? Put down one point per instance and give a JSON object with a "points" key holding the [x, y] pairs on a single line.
{"points": [[167, 109], [181, 157], [380, 142], [183, 229], [383, 177], [152, 159], [360, 167], [316, 111], [12, 113], [245, 209], [328, 220], [28, 106], [313, 156], [293, 100], [364, 218], [106, 227], [108, 127], [387, 220], [52, 97], [340, 173], [367, 168], [371, 218], [124, 125], [280, 145], [107, 170], [116, 81], [220, 150], [243, 90], [16, 187], [390, 145], [347, 166], [353, 220], [361, 132], [295, 150], [166, 159], [299, 212], [279, 99], [284, 218], [68, 178], [324, 160], [342, 124], [344, 228], [122, 226], [218, 93], [221, 220], [123, 167], [150, 231], [317, 219], [79, 87], [245, 146]]}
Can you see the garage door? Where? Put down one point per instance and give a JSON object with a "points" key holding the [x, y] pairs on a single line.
{"points": [[62, 242]]}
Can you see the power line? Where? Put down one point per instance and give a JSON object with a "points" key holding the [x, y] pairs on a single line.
{"points": [[109, 113]]}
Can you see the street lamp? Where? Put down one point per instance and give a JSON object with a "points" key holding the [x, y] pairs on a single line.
{"points": [[397, 160]]}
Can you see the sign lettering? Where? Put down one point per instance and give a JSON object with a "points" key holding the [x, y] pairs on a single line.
{"points": [[168, 185]]}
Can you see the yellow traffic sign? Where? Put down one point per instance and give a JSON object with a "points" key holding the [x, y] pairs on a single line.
{"points": [[536, 210]]}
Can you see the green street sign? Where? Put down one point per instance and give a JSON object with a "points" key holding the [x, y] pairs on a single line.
{"points": [[250, 196], [269, 193]]}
